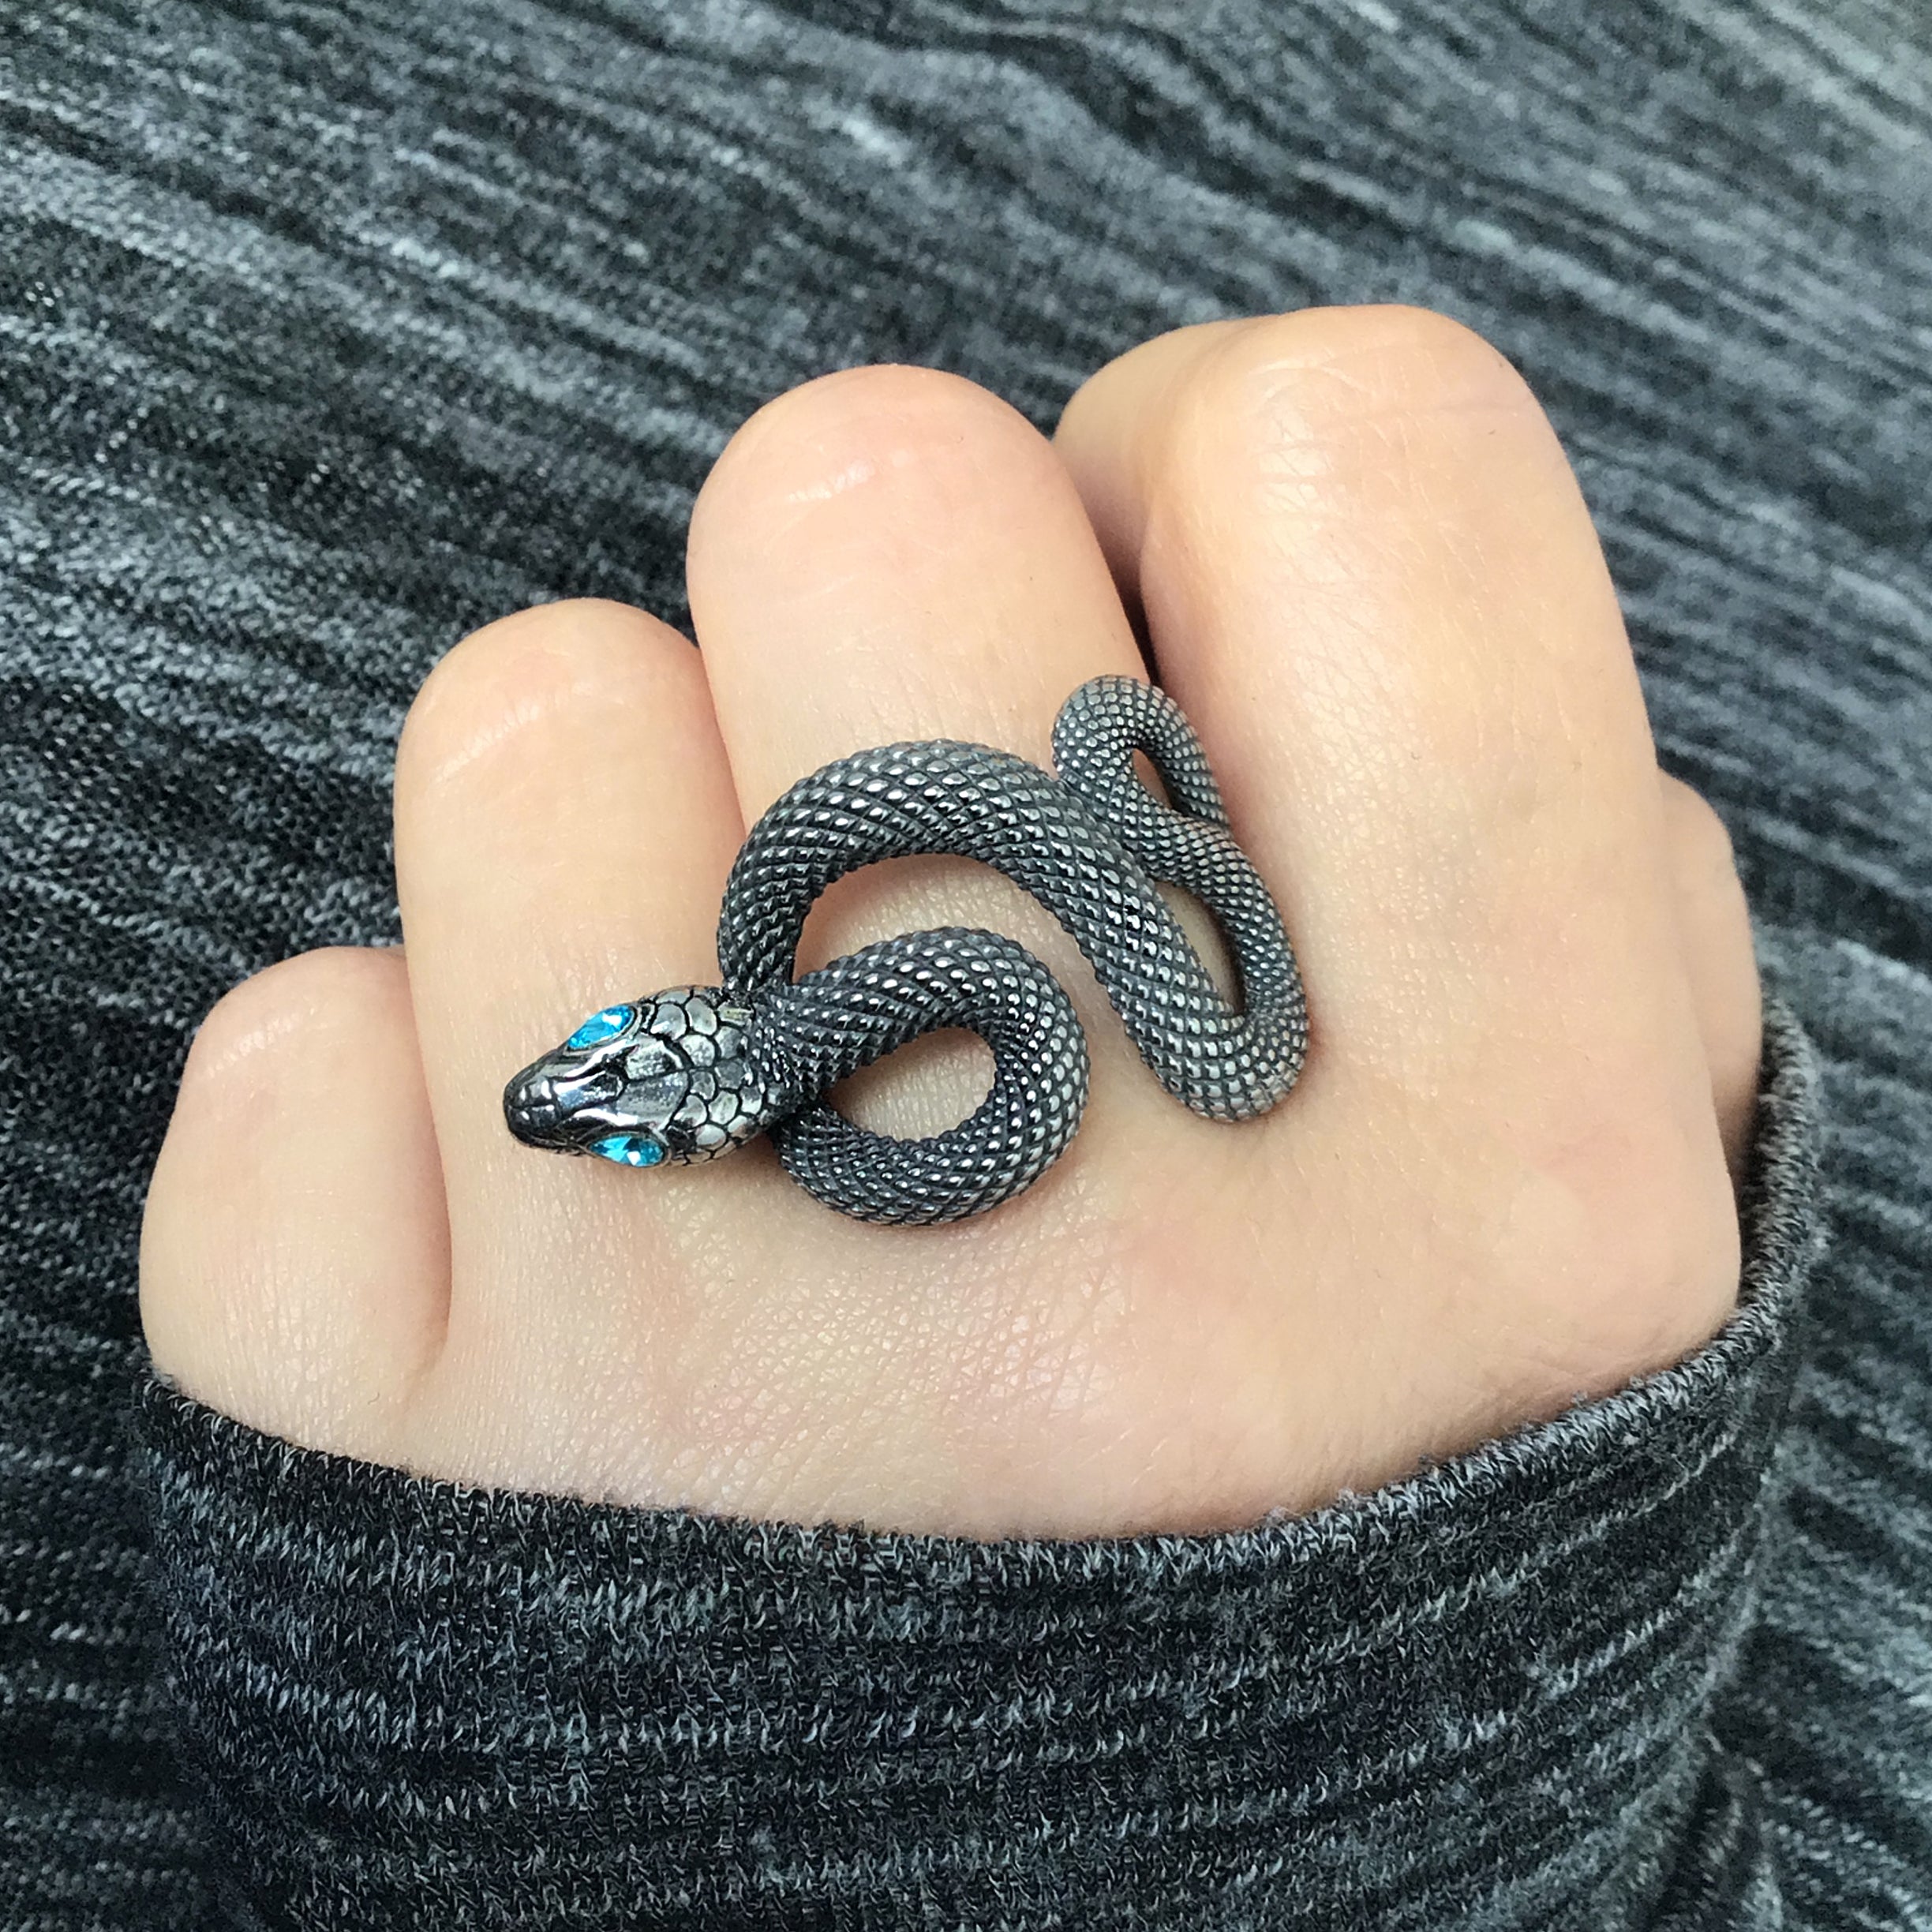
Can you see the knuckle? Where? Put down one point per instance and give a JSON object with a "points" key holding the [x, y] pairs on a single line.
{"points": [[268, 1028], [1700, 840], [502, 648], [523, 667], [1317, 376], [496, 648], [1429, 351], [834, 434]]}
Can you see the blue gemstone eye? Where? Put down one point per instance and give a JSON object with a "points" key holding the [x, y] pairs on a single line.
{"points": [[602, 1026], [629, 1150]]}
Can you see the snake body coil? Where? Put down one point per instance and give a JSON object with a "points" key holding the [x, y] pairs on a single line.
{"points": [[692, 1072]]}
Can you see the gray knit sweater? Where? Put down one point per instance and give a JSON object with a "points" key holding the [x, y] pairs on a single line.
{"points": [[333, 330]]}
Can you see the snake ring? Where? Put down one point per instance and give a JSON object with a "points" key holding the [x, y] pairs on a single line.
{"points": [[690, 1073]]}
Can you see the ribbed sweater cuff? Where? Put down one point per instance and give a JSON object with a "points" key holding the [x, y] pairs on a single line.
{"points": [[1478, 1695]]}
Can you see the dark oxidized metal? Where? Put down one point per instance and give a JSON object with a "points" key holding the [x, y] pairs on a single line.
{"points": [[689, 1073]]}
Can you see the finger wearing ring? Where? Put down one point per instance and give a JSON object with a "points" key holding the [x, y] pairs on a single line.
{"points": [[690, 1073]]}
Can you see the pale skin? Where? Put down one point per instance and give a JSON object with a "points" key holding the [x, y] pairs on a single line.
{"points": [[1505, 1180]]}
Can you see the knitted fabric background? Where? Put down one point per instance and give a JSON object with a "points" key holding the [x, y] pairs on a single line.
{"points": [[332, 330]]}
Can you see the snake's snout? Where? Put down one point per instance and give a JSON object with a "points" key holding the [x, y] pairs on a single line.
{"points": [[563, 1103], [542, 1102], [531, 1107]]}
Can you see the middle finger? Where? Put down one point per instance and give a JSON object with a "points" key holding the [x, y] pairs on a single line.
{"points": [[893, 553]]}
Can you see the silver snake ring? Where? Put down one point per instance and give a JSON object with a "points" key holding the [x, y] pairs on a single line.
{"points": [[692, 1072]]}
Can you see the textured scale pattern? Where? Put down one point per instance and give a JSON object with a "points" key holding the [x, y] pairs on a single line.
{"points": [[1091, 845], [861, 1007]]}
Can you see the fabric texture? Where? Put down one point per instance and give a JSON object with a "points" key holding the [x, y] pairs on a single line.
{"points": [[330, 331], [1479, 1696]]}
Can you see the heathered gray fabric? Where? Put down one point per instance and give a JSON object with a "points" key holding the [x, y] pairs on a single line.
{"points": [[333, 331]]}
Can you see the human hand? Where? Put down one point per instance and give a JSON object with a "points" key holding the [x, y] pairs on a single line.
{"points": [[1369, 579]]}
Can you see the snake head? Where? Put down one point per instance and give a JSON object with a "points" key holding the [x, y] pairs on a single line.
{"points": [[661, 1078]]}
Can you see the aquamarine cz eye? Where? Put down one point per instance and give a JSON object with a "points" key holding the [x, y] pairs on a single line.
{"points": [[602, 1026], [630, 1150]]}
